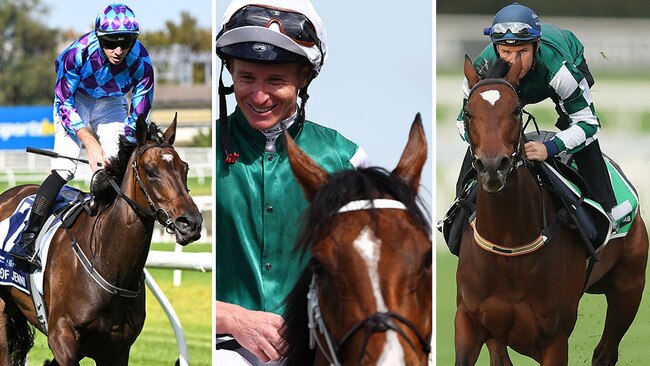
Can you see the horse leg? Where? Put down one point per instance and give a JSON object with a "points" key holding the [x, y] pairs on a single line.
{"points": [[467, 338], [498, 353], [622, 306], [117, 358], [556, 351], [62, 339], [16, 335], [4, 336]]}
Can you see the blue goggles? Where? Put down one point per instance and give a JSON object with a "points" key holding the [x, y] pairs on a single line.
{"points": [[516, 30]]}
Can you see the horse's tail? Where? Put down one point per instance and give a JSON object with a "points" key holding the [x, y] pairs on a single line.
{"points": [[21, 337]]}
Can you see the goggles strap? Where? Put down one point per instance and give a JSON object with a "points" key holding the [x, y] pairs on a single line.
{"points": [[304, 96], [231, 156]]}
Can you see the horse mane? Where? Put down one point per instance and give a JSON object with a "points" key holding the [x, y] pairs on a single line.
{"points": [[343, 187], [494, 70], [114, 169]]}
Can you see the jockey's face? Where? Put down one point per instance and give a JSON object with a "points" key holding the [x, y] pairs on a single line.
{"points": [[510, 52], [267, 93], [117, 55]]}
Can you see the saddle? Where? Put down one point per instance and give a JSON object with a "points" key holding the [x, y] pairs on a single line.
{"points": [[560, 177]]}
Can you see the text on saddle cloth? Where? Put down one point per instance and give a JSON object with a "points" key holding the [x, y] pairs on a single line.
{"points": [[14, 273]]}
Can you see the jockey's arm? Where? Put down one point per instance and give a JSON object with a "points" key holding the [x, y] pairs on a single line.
{"points": [[95, 152]]}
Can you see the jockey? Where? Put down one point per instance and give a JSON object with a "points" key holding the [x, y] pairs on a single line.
{"points": [[94, 74], [272, 49], [553, 66]]}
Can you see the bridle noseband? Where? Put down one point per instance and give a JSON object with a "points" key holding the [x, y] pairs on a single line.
{"points": [[515, 160], [374, 323]]}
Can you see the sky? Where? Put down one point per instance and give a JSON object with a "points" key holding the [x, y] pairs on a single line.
{"points": [[377, 77], [151, 14]]}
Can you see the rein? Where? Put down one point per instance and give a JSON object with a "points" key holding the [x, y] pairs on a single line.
{"points": [[154, 213], [374, 323]]}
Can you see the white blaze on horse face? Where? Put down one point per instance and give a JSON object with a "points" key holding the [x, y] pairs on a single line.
{"points": [[168, 157], [491, 96], [369, 247]]}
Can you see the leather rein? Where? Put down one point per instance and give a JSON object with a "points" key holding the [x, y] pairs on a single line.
{"points": [[153, 212]]}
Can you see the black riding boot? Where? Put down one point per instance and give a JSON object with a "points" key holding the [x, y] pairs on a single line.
{"points": [[24, 248], [591, 166]]}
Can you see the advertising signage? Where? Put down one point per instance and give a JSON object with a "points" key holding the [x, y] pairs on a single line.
{"points": [[26, 126]]}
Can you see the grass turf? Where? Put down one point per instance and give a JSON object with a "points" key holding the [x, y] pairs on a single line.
{"points": [[156, 345], [591, 317]]}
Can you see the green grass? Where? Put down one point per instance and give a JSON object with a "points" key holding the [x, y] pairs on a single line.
{"points": [[193, 183], [633, 351], [156, 345]]}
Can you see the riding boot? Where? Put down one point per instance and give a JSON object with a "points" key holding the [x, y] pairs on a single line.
{"points": [[456, 220], [591, 166], [467, 173], [25, 248]]}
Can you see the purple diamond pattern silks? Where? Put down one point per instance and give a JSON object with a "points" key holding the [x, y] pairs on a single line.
{"points": [[83, 67]]}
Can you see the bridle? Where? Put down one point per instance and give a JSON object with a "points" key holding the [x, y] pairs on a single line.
{"points": [[515, 159], [154, 211], [374, 323]]}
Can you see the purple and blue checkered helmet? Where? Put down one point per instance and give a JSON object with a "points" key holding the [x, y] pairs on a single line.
{"points": [[116, 18]]}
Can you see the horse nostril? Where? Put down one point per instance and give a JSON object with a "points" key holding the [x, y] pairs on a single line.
{"points": [[183, 224], [504, 164]]}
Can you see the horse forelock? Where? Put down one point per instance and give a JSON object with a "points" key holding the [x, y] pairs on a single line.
{"points": [[355, 184], [343, 187]]}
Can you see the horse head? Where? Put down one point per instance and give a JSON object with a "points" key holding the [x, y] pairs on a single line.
{"points": [[161, 177], [493, 125], [370, 266]]}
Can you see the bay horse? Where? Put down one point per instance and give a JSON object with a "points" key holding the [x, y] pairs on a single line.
{"points": [[365, 296], [84, 319], [529, 302]]}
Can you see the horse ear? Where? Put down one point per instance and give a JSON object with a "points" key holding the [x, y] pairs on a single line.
{"points": [[470, 72], [170, 132], [308, 173], [410, 165], [141, 130], [515, 70]]}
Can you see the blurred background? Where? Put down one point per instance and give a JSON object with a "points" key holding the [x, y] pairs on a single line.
{"points": [[178, 36], [617, 51]]}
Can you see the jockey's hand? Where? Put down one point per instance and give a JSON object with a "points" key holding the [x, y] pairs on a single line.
{"points": [[535, 151], [96, 157], [257, 331]]}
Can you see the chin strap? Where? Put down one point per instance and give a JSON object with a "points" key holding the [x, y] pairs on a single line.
{"points": [[231, 156]]}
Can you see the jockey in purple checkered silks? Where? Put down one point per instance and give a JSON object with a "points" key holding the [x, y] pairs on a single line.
{"points": [[94, 74]]}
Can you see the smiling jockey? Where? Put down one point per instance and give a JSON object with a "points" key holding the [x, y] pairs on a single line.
{"points": [[94, 74], [273, 49]]}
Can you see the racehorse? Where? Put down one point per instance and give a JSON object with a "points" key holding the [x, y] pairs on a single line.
{"points": [[369, 275], [84, 318], [529, 302]]}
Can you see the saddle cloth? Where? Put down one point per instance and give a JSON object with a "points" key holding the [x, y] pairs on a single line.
{"points": [[16, 273]]}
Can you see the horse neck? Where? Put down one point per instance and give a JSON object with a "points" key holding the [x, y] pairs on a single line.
{"points": [[513, 215], [129, 232]]}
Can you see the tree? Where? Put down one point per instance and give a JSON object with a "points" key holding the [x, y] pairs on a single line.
{"points": [[187, 32], [28, 53]]}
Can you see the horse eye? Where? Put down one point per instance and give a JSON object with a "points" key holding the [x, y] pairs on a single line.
{"points": [[151, 173], [428, 259]]}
